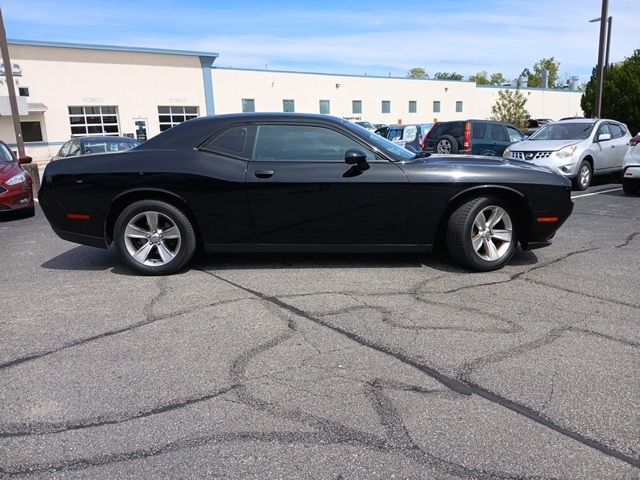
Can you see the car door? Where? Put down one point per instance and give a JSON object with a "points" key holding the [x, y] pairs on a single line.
{"points": [[619, 141], [499, 139], [302, 192], [603, 149]]}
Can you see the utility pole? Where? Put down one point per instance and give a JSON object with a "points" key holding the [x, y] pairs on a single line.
{"points": [[606, 58], [601, 53], [8, 72]]}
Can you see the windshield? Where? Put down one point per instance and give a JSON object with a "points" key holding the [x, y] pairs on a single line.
{"points": [[564, 131]]}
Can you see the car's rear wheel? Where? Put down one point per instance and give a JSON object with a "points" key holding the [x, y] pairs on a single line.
{"points": [[583, 179], [154, 237], [447, 144], [481, 234]]}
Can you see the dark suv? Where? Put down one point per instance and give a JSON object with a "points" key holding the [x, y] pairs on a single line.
{"points": [[477, 137]]}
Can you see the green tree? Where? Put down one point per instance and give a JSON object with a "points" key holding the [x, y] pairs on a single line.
{"points": [[535, 77], [480, 78], [510, 107], [497, 79], [417, 72], [448, 76], [620, 94]]}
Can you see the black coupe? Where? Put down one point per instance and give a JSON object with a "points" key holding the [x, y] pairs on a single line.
{"points": [[293, 182]]}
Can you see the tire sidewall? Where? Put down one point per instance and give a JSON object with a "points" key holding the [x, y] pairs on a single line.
{"points": [[187, 243], [473, 258], [577, 184]]}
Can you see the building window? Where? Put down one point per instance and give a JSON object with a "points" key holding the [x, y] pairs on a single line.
{"points": [[356, 106], [248, 105], [171, 116], [459, 106], [23, 91], [386, 106], [436, 106], [413, 106], [31, 131], [94, 121], [325, 107], [288, 106]]}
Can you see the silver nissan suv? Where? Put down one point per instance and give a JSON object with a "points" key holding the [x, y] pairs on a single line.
{"points": [[577, 149]]}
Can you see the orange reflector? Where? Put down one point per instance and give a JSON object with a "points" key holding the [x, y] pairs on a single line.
{"points": [[78, 216], [547, 219]]}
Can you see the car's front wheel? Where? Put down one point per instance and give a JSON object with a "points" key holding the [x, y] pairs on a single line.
{"points": [[481, 234], [583, 179], [154, 237]]}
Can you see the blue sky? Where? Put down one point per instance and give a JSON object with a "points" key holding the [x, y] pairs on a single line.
{"points": [[356, 37]]}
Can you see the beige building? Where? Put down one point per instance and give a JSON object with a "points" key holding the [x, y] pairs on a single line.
{"points": [[68, 90]]}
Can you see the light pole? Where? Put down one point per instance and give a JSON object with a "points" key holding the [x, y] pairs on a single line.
{"points": [[601, 54], [8, 72]]}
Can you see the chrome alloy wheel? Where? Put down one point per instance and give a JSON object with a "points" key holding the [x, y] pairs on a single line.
{"points": [[585, 175], [152, 238], [444, 146], [492, 233]]}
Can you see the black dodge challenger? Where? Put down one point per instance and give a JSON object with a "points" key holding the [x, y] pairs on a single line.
{"points": [[295, 182]]}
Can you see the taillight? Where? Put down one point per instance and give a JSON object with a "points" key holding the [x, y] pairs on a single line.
{"points": [[634, 141], [467, 137]]}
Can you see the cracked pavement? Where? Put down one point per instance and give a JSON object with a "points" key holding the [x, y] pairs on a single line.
{"points": [[325, 366]]}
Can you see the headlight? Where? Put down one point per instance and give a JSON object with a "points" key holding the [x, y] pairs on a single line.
{"points": [[567, 152], [20, 178], [507, 153]]}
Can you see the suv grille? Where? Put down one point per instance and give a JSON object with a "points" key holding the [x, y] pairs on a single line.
{"points": [[530, 155]]}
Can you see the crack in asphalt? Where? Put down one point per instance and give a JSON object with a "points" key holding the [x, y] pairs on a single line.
{"points": [[150, 318], [462, 387], [8, 431], [628, 240]]}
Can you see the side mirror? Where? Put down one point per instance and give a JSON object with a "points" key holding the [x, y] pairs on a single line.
{"points": [[356, 157], [25, 159], [603, 137]]}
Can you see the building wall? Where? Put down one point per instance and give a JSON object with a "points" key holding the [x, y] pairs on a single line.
{"points": [[270, 88], [137, 83]]}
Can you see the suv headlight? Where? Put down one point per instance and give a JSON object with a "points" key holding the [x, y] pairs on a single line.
{"points": [[507, 153], [567, 152], [17, 179]]}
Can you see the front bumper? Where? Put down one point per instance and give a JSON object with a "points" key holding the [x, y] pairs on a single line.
{"points": [[16, 197]]}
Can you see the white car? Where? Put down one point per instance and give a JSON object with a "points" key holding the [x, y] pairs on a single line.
{"points": [[631, 167], [577, 149]]}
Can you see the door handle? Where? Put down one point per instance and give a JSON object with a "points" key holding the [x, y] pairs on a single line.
{"points": [[263, 173], [613, 146]]}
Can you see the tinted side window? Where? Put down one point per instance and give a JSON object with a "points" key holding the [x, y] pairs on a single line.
{"points": [[478, 130], [498, 133], [295, 143], [234, 141], [616, 130], [455, 129]]}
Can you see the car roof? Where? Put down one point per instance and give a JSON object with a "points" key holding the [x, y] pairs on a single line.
{"points": [[106, 137], [581, 120]]}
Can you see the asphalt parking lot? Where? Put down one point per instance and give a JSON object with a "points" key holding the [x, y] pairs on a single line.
{"points": [[325, 366]]}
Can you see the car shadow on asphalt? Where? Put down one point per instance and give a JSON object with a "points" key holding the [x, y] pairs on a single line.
{"points": [[84, 258]]}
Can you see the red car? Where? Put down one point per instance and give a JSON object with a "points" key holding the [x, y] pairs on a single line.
{"points": [[15, 184]]}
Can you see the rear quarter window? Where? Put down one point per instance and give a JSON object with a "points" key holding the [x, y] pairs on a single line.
{"points": [[234, 141], [455, 129]]}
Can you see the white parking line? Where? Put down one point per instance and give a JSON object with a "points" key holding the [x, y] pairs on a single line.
{"points": [[596, 193]]}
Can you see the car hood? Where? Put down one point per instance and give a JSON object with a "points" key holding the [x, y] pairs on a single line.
{"points": [[8, 170], [542, 145], [477, 160]]}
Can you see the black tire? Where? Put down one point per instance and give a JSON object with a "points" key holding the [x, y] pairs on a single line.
{"points": [[580, 182], [183, 248], [460, 230], [631, 188], [446, 144]]}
